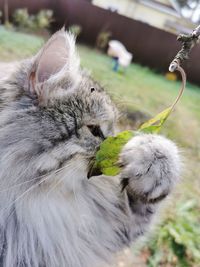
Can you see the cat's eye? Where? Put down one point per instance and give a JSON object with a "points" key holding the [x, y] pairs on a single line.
{"points": [[92, 89], [96, 131]]}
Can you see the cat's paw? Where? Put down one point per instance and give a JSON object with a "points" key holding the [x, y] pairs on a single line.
{"points": [[151, 166]]}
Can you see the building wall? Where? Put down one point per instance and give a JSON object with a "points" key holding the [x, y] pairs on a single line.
{"points": [[152, 16], [138, 11], [165, 2], [124, 7]]}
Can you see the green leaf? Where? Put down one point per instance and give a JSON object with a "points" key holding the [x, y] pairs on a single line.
{"points": [[154, 125], [108, 154]]}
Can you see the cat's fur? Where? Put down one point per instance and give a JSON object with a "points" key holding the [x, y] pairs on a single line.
{"points": [[51, 214]]}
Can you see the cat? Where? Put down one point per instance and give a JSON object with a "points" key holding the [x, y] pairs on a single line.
{"points": [[53, 117]]}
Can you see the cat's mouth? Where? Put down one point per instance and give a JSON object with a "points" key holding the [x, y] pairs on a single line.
{"points": [[93, 171], [96, 131]]}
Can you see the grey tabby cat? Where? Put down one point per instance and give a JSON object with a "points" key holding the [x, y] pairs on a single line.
{"points": [[52, 119]]}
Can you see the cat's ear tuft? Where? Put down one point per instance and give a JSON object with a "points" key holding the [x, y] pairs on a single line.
{"points": [[57, 62]]}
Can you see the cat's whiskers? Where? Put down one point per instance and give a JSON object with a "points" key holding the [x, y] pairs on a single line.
{"points": [[31, 188], [22, 195], [26, 182], [74, 191], [54, 187], [61, 180]]}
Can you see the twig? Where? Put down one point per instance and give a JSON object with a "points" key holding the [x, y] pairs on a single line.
{"points": [[183, 85], [188, 41]]}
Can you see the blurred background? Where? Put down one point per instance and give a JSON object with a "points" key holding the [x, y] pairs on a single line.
{"points": [[144, 32]]}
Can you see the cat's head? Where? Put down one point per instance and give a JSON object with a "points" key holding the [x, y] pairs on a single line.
{"points": [[56, 79], [54, 112]]}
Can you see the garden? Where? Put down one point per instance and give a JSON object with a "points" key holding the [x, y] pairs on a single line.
{"points": [[140, 93]]}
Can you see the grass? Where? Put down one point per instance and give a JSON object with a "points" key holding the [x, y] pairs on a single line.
{"points": [[176, 243], [15, 45], [142, 89]]}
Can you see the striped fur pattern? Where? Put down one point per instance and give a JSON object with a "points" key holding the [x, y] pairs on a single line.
{"points": [[53, 117]]}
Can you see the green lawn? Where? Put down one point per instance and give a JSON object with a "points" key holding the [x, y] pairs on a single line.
{"points": [[142, 89], [15, 45]]}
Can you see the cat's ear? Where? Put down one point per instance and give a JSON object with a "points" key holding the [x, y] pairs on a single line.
{"points": [[55, 64]]}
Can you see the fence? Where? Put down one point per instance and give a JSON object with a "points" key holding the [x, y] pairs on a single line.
{"points": [[150, 46]]}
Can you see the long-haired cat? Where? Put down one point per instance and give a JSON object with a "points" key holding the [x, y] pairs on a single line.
{"points": [[53, 116]]}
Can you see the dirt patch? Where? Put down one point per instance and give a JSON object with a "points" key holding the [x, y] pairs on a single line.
{"points": [[128, 259]]}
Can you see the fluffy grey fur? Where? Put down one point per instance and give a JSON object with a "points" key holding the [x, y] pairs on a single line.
{"points": [[52, 119]]}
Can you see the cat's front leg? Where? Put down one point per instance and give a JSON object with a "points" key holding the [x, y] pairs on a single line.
{"points": [[150, 169]]}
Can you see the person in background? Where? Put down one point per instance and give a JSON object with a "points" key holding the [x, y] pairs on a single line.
{"points": [[120, 55]]}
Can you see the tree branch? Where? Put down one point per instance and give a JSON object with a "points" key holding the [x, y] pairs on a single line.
{"points": [[188, 41]]}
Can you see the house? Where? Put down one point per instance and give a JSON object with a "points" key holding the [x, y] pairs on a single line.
{"points": [[162, 14]]}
